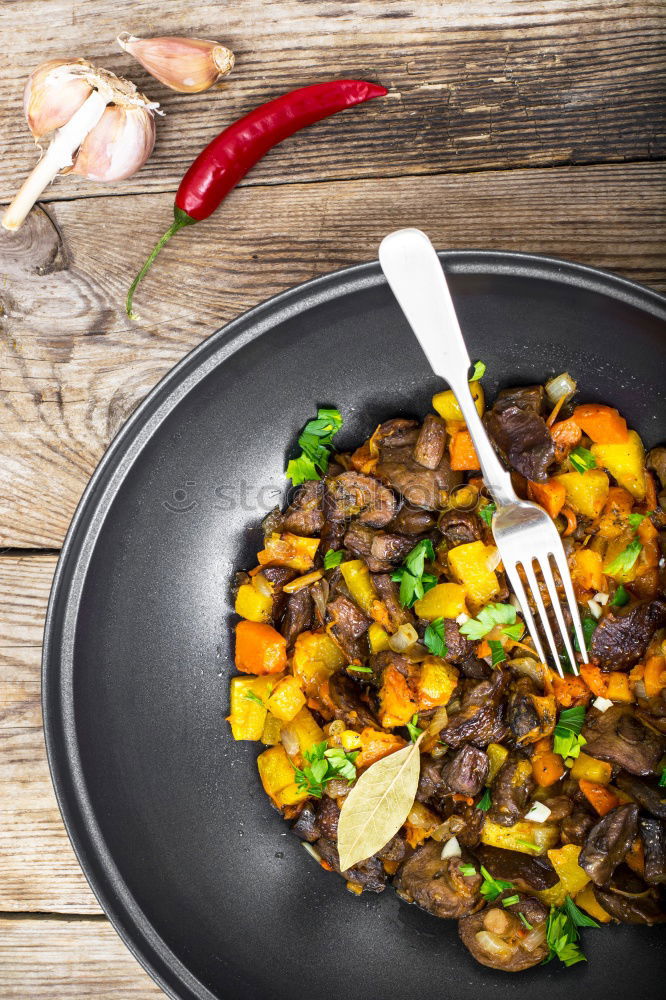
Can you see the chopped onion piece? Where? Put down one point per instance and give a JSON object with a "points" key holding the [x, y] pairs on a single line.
{"points": [[451, 849], [601, 598], [603, 704], [405, 637], [311, 851], [461, 619], [492, 944], [595, 609], [290, 742], [561, 385], [439, 720], [493, 558], [514, 600], [262, 585], [535, 937], [538, 813]]}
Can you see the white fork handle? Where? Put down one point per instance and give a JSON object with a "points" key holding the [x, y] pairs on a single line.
{"points": [[412, 268]]}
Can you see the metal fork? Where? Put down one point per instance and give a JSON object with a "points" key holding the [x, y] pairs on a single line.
{"points": [[524, 532]]}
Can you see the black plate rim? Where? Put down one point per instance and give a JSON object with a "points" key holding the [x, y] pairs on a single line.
{"points": [[104, 879]]}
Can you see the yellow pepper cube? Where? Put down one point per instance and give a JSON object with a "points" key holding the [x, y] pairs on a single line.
{"points": [[286, 700], [277, 777], [587, 901], [315, 658], [524, 836], [359, 582], [586, 492], [378, 638], [497, 754], [446, 405], [591, 769], [437, 682], [305, 730], [350, 740], [270, 736], [587, 570], [572, 878], [469, 564], [444, 600], [248, 696], [252, 604], [625, 462]]}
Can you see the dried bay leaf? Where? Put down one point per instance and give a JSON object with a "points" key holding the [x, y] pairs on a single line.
{"points": [[378, 805]]}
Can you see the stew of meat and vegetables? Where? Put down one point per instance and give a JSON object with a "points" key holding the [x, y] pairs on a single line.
{"points": [[411, 735]]}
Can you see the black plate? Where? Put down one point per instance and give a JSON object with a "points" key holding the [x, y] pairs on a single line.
{"points": [[197, 872]]}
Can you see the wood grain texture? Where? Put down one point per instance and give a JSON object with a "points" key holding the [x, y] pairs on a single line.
{"points": [[72, 367], [68, 959], [474, 85]]}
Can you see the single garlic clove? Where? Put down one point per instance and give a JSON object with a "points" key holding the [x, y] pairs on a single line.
{"points": [[188, 65], [53, 93], [117, 146]]}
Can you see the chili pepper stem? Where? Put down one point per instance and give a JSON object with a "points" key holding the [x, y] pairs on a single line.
{"points": [[181, 220]]}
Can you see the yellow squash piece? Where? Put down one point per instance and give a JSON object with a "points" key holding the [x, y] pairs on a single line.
{"points": [[315, 658], [252, 604], [445, 600], [359, 583], [521, 836], [587, 570], [587, 901], [277, 777], [586, 492], [572, 878], [625, 462], [378, 638], [591, 769], [469, 565], [304, 729], [270, 737], [287, 699], [248, 714], [437, 682], [446, 405], [497, 754]]}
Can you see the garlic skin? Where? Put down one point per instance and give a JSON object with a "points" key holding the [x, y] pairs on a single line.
{"points": [[188, 65], [104, 128]]}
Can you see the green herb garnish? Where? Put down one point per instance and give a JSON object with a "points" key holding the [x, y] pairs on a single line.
{"points": [[414, 582], [514, 631], [567, 741], [315, 443], [620, 598], [525, 922], [434, 638], [251, 696], [662, 778], [582, 460], [510, 900], [333, 558], [527, 843], [467, 870], [485, 801], [579, 918], [323, 765], [497, 652], [588, 624], [486, 513], [635, 520], [359, 670], [491, 887], [487, 619], [413, 729], [479, 370], [562, 933], [625, 560]]}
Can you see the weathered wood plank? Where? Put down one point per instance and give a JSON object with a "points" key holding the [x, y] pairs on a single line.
{"points": [[71, 959], [72, 367], [473, 85]]}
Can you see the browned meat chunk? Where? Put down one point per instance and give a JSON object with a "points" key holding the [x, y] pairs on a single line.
{"points": [[370, 874], [520, 951], [381, 550], [629, 899], [520, 435], [653, 837], [526, 872], [459, 527], [620, 738], [421, 487], [608, 841], [467, 771], [346, 696], [620, 640], [389, 593], [431, 442], [650, 797], [575, 828], [348, 625], [298, 616], [527, 397], [412, 521], [354, 495], [530, 715], [481, 719], [512, 790], [437, 885], [304, 515], [306, 826]]}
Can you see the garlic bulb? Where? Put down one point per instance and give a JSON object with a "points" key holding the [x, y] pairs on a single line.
{"points": [[104, 128], [188, 65]]}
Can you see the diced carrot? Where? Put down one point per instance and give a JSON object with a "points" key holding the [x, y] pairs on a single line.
{"points": [[600, 798], [570, 691], [483, 649], [596, 679], [547, 767], [463, 453], [566, 434], [458, 797], [396, 704], [260, 649], [325, 865], [654, 676], [601, 423], [587, 572], [618, 687], [635, 857], [363, 460], [375, 745], [614, 517], [551, 495], [647, 531]]}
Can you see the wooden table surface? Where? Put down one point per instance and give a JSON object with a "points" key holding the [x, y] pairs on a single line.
{"points": [[511, 124]]}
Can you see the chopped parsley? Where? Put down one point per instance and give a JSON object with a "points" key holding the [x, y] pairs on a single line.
{"points": [[497, 652], [315, 443], [413, 729], [529, 844], [333, 558], [662, 778], [434, 638], [414, 582], [487, 619], [567, 741], [510, 900], [491, 887], [479, 370], [251, 696], [582, 460], [359, 670], [588, 624], [562, 933], [467, 870], [323, 765], [486, 513], [525, 922], [485, 801], [514, 631], [625, 560], [635, 520], [620, 598]]}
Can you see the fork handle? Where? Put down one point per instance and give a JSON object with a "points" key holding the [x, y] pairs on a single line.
{"points": [[413, 270]]}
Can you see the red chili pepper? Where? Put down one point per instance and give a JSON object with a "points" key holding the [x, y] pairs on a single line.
{"points": [[220, 166]]}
